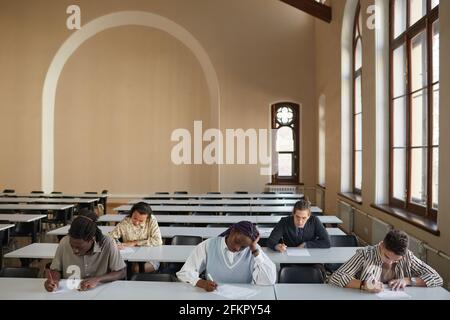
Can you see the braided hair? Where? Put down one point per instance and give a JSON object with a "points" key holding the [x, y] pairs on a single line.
{"points": [[84, 227]]}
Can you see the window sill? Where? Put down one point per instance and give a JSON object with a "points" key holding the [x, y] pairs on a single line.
{"points": [[356, 198], [287, 183], [321, 186], [409, 217]]}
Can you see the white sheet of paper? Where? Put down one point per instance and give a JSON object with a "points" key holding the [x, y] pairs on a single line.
{"points": [[295, 252], [127, 250], [389, 294], [66, 285], [234, 292]]}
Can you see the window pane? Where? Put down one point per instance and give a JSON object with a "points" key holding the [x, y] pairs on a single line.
{"points": [[434, 3], [358, 170], [399, 17], [358, 132], [285, 165], [358, 95], [436, 51], [399, 122], [399, 174], [435, 182], [285, 140], [419, 119], [419, 176], [285, 115], [399, 71], [417, 9], [358, 55], [436, 115], [419, 61]]}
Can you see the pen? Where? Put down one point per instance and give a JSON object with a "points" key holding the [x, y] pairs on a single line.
{"points": [[208, 276]]}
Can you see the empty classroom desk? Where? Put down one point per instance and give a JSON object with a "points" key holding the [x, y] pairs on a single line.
{"points": [[67, 209], [217, 202], [47, 251], [236, 209], [89, 202], [25, 218], [331, 255], [226, 196], [4, 238], [289, 291]]}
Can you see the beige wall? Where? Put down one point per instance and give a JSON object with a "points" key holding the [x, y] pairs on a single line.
{"points": [[123, 91], [328, 48]]}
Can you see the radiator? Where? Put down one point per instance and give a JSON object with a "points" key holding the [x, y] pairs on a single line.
{"points": [[417, 247], [320, 198], [345, 213], [280, 189], [379, 230]]}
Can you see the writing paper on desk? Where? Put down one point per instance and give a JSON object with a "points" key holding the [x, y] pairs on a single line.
{"points": [[388, 294], [294, 252], [68, 285], [234, 292], [126, 250]]}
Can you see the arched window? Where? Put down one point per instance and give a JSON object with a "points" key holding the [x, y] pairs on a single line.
{"points": [[414, 106], [357, 102], [285, 122]]}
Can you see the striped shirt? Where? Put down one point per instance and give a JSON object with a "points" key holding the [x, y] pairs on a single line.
{"points": [[366, 265]]}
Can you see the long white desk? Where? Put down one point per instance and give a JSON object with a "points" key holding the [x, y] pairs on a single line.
{"points": [[168, 253], [33, 289], [170, 232], [4, 227], [13, 200], [51, 195], [47, 251], [181, 253], [225, 196], [25, 218], [249, 209], [215, 219], [218, 202], [36, 207], [329, 292]]}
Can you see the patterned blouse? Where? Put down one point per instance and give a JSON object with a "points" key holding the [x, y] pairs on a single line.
{"points": [[147, 233], [366, 265]]}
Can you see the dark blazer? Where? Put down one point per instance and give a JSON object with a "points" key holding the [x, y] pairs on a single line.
{"points": [[314, 234]]}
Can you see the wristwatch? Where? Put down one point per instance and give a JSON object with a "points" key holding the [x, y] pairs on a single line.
{"points": [[413, 282]]}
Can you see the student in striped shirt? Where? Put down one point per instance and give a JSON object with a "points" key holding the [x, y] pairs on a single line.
{"points": [[389, 262]]}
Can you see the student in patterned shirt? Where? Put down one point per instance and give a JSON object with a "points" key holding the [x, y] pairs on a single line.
{"points": [[389, 262], [139, 228]]}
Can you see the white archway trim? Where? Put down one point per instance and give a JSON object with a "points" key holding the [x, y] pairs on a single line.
{"points": [[118, 19]]}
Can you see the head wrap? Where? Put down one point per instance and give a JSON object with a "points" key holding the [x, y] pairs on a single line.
{"points": [[245, 227]]}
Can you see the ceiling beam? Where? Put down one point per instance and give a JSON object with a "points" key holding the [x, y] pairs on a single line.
{"points": [[313, 8]]}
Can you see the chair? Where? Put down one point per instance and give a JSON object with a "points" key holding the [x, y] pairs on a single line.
{"points": [[19, 273], [269, 192], [161, 192], [186, 240], [344, 241], [159, 277], [9, 191], [90, 192], [240, 192], [180, 192], [340, 241], [301, 274], [56, 192], [174, 267], [37, 192], [213, 192]]}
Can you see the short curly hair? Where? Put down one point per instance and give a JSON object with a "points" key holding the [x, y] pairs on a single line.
{"points": [[397, 242]]}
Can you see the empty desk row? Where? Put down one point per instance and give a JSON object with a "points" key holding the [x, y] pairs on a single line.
{"points": [[226, 196], [217, 202]]}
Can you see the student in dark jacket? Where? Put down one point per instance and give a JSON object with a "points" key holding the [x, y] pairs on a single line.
{"points": [[299, 230]]}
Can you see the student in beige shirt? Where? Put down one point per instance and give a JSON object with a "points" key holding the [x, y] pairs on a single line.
{"points": [[86, 255], [139, 228]]}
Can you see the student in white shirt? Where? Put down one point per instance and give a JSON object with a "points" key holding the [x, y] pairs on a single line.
{"points": [[232, 257]]}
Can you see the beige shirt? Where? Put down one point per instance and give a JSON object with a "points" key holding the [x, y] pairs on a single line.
{"points": [[146, 234], [103, 259]]}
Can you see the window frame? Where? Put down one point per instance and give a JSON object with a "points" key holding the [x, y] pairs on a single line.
{"points": [[294, 179], [357, 36], [425, 24]]}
